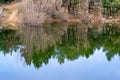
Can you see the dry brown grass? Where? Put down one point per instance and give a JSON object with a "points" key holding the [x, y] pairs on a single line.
{"points": [[34, 13]]}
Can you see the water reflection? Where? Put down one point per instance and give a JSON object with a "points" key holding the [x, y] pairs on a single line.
{"points": [[62, 41], [8, 41]]}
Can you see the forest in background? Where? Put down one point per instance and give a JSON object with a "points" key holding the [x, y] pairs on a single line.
{"points": [[36, 12]]}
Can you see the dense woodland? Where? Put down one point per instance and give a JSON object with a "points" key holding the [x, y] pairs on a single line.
{"points": [[35, 12]]}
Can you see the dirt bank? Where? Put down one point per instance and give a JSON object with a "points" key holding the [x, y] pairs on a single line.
{"points": [[10, 16]]}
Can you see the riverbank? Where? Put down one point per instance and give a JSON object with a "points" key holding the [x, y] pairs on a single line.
{"points": [[9, 17], [12, 22], [114, 20]]}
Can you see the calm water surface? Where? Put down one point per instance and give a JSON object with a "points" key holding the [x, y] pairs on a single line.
{"points": [[61, 52]]}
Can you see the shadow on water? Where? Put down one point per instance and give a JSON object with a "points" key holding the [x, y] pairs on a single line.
{"points": [[61, 41]]}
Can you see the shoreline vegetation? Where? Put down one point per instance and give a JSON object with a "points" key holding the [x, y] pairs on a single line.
{"points": [[34, 13]]}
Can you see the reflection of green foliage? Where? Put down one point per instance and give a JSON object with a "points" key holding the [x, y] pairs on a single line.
{"points": [[75, 41], [7, 40], [72, 47], [40, 58], [110, 39]]}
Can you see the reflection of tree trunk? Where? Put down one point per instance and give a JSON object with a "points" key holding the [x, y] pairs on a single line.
{"points": [[110, 11], [41, 38]]}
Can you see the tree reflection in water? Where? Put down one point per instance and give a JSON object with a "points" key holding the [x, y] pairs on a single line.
{"points": [[8, 41], [66, 41]]}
